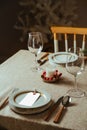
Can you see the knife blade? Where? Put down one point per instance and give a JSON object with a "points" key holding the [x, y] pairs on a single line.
{"points": [[53, 108]]}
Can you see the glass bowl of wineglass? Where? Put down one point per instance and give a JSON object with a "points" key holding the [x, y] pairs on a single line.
{"points": [[35, 46], [75, 65]]}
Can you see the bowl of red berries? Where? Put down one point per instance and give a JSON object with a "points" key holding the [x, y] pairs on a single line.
{"points": [[51, 78]]}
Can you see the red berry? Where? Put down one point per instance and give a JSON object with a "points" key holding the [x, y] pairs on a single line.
{"points": [[44, 72], [51, 78], [47, 78], [44, 78]]}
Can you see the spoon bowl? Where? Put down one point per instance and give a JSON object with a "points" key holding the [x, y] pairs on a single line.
{"points": [[66, 101]]}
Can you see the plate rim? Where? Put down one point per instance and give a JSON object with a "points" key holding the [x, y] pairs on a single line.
{"points": [[14, 104], [50, 57]]}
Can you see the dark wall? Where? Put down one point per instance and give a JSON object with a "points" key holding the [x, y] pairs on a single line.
{"points": [[82, 13], [9, 37]]}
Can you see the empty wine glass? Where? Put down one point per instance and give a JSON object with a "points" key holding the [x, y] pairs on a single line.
{"points": [[35, 46], [75, 65]]}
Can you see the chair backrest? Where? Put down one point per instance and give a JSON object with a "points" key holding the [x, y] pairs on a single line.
{"points": [[66, 31]]}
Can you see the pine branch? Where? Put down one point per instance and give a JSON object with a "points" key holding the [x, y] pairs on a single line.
{"points": [[39, 15]]}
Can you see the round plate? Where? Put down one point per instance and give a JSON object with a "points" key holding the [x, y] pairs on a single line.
{"points": [[61, 57], [43, 102]]}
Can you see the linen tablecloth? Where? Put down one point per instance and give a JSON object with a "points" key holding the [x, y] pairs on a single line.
{"points": [[16, 72]]}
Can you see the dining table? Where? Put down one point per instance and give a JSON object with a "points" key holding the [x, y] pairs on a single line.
{"points": [[16, 72]]}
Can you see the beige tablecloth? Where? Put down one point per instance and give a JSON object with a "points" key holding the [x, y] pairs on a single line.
{"points": [[16, 72]]}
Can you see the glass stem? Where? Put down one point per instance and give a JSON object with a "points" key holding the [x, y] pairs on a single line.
{"points": [[76, 83], [36, 60]]}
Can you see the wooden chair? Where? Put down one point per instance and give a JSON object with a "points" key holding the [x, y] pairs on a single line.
{"points": [[66, 31]]}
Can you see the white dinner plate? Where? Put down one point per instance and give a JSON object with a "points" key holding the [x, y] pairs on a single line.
{"points": [[43, 102], [61, 57]]}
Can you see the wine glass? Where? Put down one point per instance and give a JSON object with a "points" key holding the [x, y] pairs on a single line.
{"points": [[75, 65], [35, 46]]}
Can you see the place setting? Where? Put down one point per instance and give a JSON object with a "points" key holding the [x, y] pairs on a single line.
{"points": [[29, 101]]}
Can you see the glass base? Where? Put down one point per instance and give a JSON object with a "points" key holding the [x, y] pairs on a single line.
{"points": [[36, 69], [77, 93]]}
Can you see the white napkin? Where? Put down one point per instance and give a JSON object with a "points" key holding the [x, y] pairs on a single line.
{"points": [[4, 94]]}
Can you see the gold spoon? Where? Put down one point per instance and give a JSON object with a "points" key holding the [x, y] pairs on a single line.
{"points": [[65, 102]]}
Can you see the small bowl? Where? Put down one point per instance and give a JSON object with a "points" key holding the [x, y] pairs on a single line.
{"points": [[51, 79]]}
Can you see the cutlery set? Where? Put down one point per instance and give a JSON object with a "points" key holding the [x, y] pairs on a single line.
{"points": [[53, 108], [62, 102], [65, 102]]}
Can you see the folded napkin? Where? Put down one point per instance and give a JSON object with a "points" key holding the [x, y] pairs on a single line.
{"points": [[4, 94]]}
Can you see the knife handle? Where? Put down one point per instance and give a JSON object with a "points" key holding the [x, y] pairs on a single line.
{"points": [[50, 112], [43, 61], [46, 54], [57, 117], [4, 102]]}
